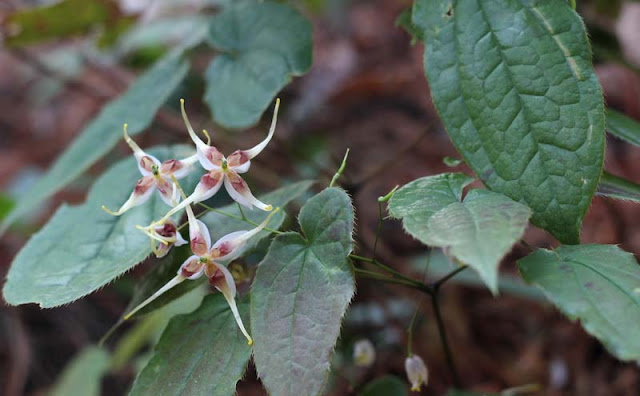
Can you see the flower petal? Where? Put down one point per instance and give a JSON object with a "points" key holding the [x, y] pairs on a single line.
{"points": [[141, 194], [168, 190], [145, 161], [239, 191], [199, 236], [178, 168], [416, 372], [239, 162], [210, 158], [192, 268], [209, 184], [227, 286], [230, 246], [260, 146], [173, 282]]}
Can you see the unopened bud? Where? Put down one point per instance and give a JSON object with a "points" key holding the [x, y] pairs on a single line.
{"points": [[364, 354], [416, 372]]}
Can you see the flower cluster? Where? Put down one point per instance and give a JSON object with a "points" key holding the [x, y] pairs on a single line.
{"points": [[207, 258]]}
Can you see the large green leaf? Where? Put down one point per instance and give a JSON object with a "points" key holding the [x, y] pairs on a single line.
{"points": [[263, 45], [617, 187], [299, 296], [82, 248], [516, 90], [200, 353], [478, 231], [597, 284], [83, 374], [136, 107], [219, 225], [623, 127]]}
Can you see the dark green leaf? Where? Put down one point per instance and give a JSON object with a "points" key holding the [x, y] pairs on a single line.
{"points": [[136, 107], [219, 225], [385, 386], [299, 296], [619, 125], [516, 90], [263, 45], [617, 187], [200, 353], [478, 231], [63, 19], [597, 284], [82, 248], [83, 375]]}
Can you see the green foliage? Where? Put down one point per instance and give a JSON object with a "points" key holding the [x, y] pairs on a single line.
{"points": [[6, 204], [617, 187], [136, 107], [34, 25], [515, 87], [200, 353], [478, 231], [385, 386], [439, 265], [597, 284], [262, 45], [82, 248], [623, 127], [300, 294], [219, 225], [83, 375]]}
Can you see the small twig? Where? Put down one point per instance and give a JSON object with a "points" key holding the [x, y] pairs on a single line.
{"points": [[437, 285], [443, 339], [340, 169]]}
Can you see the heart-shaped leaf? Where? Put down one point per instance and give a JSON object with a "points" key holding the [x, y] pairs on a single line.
{"points": [[478, 231], [263, 44], [299, 296]]}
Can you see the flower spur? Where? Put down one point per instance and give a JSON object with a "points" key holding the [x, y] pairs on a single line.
{"points": [[224, 170], [205, 261], [155, 176]]}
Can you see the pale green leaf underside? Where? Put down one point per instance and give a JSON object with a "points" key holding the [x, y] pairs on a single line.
{"points": [[597, 284], [263, 45], [84, 374], [137, 107], [299, 296], [219, 225], [200, 353], [516, 90], [478, 231], [623, 127], [82, 248]]}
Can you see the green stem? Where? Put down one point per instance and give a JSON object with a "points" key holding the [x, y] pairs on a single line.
{"points": [[241, 212], [340, 169], [209, 208], [413, 282], [382, 278], [437, 285], [443, 339]]}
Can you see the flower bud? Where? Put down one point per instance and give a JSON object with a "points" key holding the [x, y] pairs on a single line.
{"points": [[416, 372], [364, 354]]}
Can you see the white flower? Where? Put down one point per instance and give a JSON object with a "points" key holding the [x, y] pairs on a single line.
{"points": [[364, 354], [155, 176], [165, 236], [225, 170], [416, 372], [205, 261]]}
